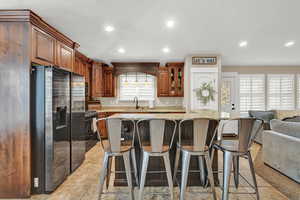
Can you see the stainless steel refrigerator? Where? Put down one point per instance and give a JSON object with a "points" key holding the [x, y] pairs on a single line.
{"points": [[50, 128]]}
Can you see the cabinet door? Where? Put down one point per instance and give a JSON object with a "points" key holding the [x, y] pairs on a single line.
{"points": [[97, 80], [43, 48], [176, 79], [102, 125], [64, 56], [76, 65], [163, 82], [180, 80], [109, 82]]}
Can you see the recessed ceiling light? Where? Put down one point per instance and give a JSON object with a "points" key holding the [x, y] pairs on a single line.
{"points": [[243, 43], [109, 28], [166, 50], [170, 23], [121, 50], [289, 43]]}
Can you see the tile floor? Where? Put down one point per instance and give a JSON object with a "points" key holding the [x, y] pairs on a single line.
{"points": [[83, 185]]}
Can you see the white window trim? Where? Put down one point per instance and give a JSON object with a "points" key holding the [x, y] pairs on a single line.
{"points": [[294, 94], [265, 89]]}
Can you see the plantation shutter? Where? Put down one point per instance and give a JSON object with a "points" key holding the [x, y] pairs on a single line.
{"points": [[281, 91], [252, 92], [137, 84]]}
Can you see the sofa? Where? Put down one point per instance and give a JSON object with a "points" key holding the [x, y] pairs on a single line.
{"points": [[281, 148]]}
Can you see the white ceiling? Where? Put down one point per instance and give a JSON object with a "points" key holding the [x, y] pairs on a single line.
{"points": [[202, 26]]}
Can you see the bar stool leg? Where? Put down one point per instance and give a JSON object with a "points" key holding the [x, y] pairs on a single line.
{"points": [[126, 157], [169, 173], [184, 172], [143, 174], [236, 166], [176, 163], [103, 172], [202, 170], [226, 173], [253, 174], [134, 166], [210, 176], [108, 173]]}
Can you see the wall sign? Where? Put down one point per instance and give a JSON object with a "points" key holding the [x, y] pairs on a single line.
{"points": [[198, 60]]}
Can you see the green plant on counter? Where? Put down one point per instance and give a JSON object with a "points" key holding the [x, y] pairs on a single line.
{"points": [[205, 93]]}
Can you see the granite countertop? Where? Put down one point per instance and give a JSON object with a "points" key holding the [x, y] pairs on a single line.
{"points": [[119, 109], [172, 116]]}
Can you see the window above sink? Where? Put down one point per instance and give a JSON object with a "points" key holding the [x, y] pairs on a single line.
{"points": [[133, 84]]}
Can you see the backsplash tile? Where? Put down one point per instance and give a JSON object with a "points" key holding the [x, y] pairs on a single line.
{"points": [[159, 102]]}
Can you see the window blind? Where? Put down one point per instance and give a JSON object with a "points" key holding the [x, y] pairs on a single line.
{"points": [[281, 91], [252, 92], [140, 85]]}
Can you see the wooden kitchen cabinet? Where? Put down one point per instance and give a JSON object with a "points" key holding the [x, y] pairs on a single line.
{"points": [[163, 82], [43, 47], [97, 80], [102, 124], [176, 79], [109, 82], [170, 80], [64, 56]]}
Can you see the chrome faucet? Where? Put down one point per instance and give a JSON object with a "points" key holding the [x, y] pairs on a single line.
{"points": [[136, 101]]}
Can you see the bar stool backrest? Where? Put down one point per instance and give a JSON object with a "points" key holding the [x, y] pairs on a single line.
{"points": [[152, 134], [197, 132], [248, 129], [120, 133]]}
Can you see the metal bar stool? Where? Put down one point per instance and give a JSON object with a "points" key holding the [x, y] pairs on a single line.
{"points": [[234, 149], [120, 143], [192, 142], [155, 143]]}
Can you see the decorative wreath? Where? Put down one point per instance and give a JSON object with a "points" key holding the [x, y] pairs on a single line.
{"points": [[205, 93]]}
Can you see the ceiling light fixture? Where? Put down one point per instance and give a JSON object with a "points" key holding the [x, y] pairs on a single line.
{"points": [[109, 28], [170, 23], [289, 43], [243, 43], [121, 50], [166, 50]]}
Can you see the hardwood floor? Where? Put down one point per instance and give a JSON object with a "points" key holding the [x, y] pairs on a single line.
{"points": [[83, 185]]}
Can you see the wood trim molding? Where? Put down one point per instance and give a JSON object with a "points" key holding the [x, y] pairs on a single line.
{"points": [[82, 57], [145, 67], [26, 15]]}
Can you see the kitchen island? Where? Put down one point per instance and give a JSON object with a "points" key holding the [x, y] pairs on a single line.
{"points": [[156, 164]]}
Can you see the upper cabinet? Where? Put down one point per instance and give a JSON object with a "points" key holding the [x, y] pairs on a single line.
{"points": [[97, 87], [175, 79], [170, 80], [64, 56], [43, 47], [109, 82], [163, 82]]}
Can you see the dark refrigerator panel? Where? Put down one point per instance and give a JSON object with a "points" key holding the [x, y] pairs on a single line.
{"points": [[50, 122], [59, 161], [78, 134]]}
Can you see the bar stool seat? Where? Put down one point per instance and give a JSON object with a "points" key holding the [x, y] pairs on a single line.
{"points": [[228, 145], [123, 149], [165, 148], [193, 148]]}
